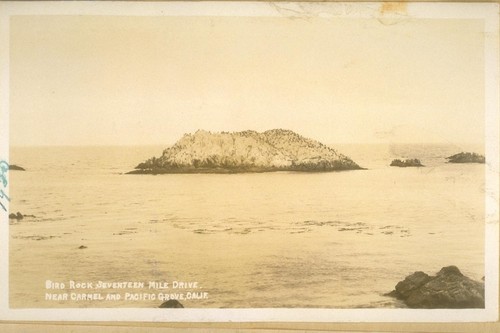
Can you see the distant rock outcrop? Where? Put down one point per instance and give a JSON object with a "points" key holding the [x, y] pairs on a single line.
{"points": [[466, 158], [247, 151], [16, 167], [449, 289], [406, 163]]}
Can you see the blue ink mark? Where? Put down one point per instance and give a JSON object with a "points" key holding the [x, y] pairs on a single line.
{"points": [[8, 199], [3, 195], [4, 168]]}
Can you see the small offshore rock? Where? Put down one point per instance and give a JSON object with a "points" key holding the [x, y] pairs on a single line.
{"points": [[466, 158], [172, 303], [16, 167], [17, 216], [82, 247], [449, 289], [407, 163]]}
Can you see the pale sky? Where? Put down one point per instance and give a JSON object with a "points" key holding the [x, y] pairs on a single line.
{"points": [[109, 80]]}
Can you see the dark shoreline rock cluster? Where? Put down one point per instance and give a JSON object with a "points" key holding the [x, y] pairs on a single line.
{"points": [[448, 289], [406, 163]]}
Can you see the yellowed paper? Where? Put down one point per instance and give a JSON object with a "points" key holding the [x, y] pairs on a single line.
{"points": [[210, 98]]}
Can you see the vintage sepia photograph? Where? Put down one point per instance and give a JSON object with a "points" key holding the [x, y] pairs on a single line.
{"points": [[224, 161]]}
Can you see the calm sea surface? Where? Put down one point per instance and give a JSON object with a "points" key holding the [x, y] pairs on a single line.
{"points": [[323, 240]]}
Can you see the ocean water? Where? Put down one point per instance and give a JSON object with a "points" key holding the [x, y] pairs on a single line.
{"points": [[285, 240]]}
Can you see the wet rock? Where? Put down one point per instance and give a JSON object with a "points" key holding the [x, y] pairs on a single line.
{"points": [[172, 303], [404, 288], [448, 289]]}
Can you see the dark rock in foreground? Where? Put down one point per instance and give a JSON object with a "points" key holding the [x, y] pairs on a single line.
{"points": [[16, 167], [466, 158], [247, 151], [449, 289], [406, 163], [173, 303]]}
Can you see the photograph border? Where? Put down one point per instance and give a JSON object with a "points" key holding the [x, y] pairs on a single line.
{"points": [[485, 11]]}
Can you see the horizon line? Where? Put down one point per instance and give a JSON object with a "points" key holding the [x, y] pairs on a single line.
{"points": [[170, 144]]}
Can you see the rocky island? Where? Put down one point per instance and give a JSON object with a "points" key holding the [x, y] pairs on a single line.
{"points": [[246, 151], [466, 158], [407, 163]]}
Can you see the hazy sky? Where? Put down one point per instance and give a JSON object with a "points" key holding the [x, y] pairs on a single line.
{"points": [[88, 80]]}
